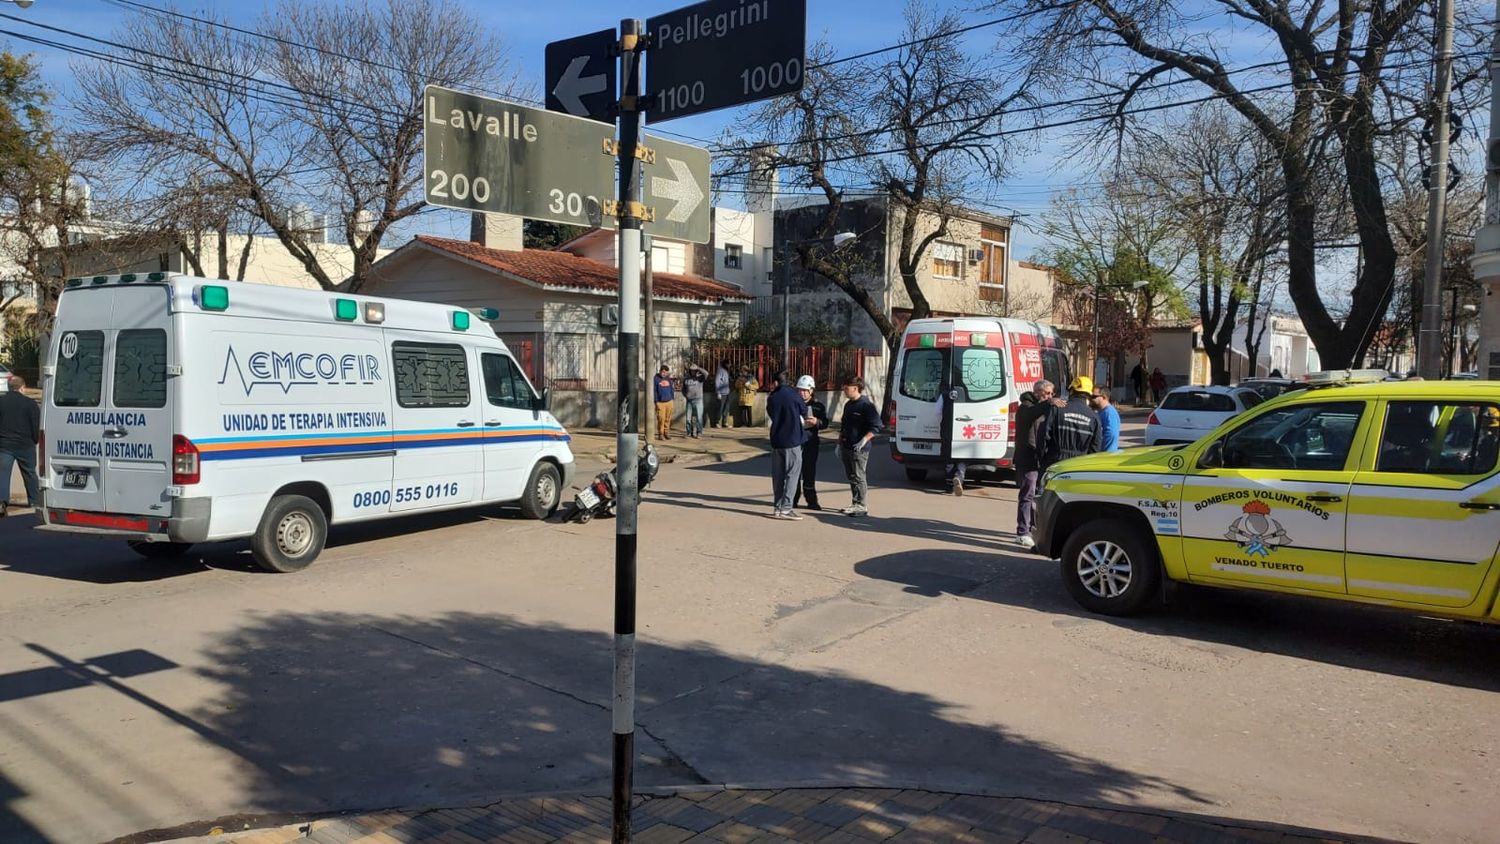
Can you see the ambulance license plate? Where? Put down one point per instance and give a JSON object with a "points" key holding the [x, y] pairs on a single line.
{"points": [[75, 478], [922, 446]]}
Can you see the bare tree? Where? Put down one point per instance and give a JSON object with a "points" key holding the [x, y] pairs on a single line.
{"points": [[325, 112], [1217, 181], [918, 131], [1316, 107]]}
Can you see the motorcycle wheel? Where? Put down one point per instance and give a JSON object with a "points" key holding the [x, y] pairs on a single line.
{"points": [[584, 517]]}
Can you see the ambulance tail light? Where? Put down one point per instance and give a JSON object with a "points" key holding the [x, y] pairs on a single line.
{"points": [[1152, 420], [185, 466], [41, 454], [890, 414], [1010, 427]]}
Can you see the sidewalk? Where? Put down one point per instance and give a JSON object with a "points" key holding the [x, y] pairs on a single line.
{"points": [[794, 814], [717, 445]]}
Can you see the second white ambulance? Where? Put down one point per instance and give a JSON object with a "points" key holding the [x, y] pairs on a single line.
{"points": [[180, 410]]}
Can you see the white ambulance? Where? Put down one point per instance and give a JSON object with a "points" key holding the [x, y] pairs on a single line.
{"points": [[179, 410], [981, 365]]}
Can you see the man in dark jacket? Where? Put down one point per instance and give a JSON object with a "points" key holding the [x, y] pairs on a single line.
{"points": [[1030, 419], [808, 487], [20, 428], [1072, 429], [857, 431], [788, 415]]}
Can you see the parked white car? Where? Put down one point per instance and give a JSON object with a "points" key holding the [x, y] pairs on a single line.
{"points": [[1187, 413]]}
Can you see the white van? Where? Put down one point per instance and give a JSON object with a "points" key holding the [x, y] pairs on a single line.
{"points": [[179, 410], [984, 365]]}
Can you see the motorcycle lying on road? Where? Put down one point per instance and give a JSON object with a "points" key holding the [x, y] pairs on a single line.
{"points": [[601, 496]]}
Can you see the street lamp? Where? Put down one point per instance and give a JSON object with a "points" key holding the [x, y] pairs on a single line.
{"points": [[1134, 285], [786, 286], [21, 4]]}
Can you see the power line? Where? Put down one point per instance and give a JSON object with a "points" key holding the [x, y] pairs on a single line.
{"points": [[945, 34]]}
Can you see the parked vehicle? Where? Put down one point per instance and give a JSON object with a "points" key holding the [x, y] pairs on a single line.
{"points": [[180, 410], [1357, 489], [958, 387], [1187, 413], [1270, 388], [602, 494]]}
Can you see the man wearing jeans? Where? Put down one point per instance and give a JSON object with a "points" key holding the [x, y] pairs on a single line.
{"points": [[789, 416], [692, 392], [860, 425], [20, 427], [1029, 419]]}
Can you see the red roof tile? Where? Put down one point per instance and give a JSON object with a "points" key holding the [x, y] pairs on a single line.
{"points": [[566, 271]]}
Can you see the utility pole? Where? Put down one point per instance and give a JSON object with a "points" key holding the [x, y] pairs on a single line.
{"points": [[1430, 342], [648, 342], [627, 440], [786, 306]]}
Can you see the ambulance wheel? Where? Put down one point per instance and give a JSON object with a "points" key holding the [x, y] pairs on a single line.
{"points": [[543, 492], [159, 550], [1109, 568], [291, 534], [916, 476]]}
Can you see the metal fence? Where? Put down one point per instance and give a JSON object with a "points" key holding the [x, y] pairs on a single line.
{"points": [[828, 367]]}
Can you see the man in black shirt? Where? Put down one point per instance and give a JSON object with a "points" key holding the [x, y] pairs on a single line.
{"points": [[857, 431], [1072, 429], [20, 427], [1030, 420]]}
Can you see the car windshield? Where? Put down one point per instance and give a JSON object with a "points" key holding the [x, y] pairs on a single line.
{"points": [[1203, 401]]}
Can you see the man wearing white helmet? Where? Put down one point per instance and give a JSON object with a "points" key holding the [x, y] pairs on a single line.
{"points": [[818, 412]]}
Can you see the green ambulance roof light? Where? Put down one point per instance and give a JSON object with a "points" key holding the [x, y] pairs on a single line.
{"points": [[460, 320], [156, 277], [345, 310], [979, 339], [213, 297], [101, 279], [928, 341], [487, 314], [75, 282], [128, 278]]}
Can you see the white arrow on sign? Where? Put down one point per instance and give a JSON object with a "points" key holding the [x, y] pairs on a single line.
{"points": [[684, 189], [573, 87]]}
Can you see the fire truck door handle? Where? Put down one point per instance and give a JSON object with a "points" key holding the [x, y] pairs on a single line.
{"points": [[1325, 498]]}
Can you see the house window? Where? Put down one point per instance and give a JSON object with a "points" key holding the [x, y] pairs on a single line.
{"points": [[992, 266], [733, 256], [947, 260]]}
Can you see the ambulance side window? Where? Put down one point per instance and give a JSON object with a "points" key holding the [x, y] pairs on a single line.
{"points": [[80, 369], [430, 374], [922, 373], [504, 386], [980, 375], [141, 368]]}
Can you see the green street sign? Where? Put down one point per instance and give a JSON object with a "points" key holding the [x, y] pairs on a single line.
{"points": [[483, 154]]}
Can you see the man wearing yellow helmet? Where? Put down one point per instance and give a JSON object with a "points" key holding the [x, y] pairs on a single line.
{"points": [[1072, 429]]}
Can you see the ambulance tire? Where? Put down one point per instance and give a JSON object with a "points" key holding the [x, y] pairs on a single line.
{"points": [[543, 492], [160, 550], [1092, 561], [291, 534], [916, 476]]}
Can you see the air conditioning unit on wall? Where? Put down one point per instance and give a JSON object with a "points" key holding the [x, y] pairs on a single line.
{"points": [[609, 314], [976, 255]]}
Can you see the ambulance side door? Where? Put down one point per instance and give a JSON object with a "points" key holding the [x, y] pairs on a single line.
{"points": [[511, 434], [1266, 503]]}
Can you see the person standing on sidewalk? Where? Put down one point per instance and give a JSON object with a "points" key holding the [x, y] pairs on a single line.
{"points": [[787, 414], [721, 392], [818, 412], [692, 393], [1109, 420], [745, 388], [663, 394], [20, 430], [1030, 419], [1138, 381], [860, 424]]}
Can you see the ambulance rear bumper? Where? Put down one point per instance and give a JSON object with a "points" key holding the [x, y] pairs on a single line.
{"points": [[187, 522]]}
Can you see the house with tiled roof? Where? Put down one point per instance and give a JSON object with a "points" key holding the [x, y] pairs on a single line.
{"points": [[558, 310]]}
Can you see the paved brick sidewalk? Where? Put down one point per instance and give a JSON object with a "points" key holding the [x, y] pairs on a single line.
{"points": [[799, 814]]}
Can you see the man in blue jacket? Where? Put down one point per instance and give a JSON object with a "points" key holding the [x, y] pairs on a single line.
{"points": [[788, 415]]}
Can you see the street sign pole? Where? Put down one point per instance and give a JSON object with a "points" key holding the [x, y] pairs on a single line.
{"points": [[627, 441]]}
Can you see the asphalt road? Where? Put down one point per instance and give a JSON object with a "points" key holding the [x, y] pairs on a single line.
{"points": [[450, 659]]}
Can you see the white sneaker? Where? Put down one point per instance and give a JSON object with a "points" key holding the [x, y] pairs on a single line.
{"points": [[1026, 542]]}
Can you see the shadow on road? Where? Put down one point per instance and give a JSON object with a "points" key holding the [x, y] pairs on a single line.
{"points": [[109, 560], [1454, 653], [353, 712]]}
